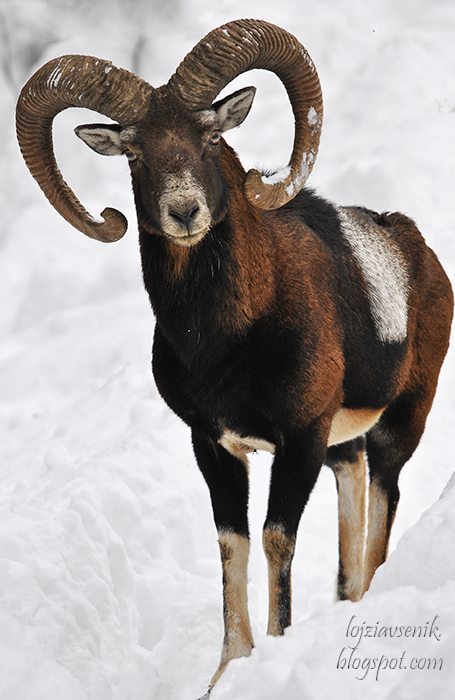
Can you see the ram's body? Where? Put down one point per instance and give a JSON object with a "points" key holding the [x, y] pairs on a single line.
{"points": [[282, 322], [275, 316], [291, 331]]}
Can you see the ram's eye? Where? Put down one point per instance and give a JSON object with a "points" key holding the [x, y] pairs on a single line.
{"points": [[132, 157], [215, 137]]}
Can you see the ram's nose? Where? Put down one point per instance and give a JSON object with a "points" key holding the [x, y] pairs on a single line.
{"points": [[185, 217]]}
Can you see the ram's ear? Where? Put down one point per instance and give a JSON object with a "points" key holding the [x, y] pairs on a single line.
{"points": [[102, 138], [233, 110]]}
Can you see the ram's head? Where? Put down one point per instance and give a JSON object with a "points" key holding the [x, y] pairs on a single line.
{"points": [[171, 135]]}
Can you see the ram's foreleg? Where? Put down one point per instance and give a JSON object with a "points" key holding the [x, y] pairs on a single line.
{"points": [[227, 479], [294, 472]]}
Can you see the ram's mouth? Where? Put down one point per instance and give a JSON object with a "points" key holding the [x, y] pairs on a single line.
{"points": [[187, 240]]}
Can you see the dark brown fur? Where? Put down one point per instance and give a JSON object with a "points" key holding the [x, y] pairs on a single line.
{"points": [[265, 335]]}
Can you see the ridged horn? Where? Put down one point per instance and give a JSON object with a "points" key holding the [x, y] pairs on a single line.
{"points": [[242, 45], [75, 81]]}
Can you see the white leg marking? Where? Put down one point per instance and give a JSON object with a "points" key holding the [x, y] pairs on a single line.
{"points": [[279, 550], [351, 479], [376, 551], [238, 638]]}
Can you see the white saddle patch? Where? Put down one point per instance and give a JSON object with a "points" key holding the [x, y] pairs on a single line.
{"points": [[384, 271]]}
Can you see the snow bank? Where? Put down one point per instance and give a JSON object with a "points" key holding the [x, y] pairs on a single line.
{"points": [[397, 643], [110, 584], [425, 555]]}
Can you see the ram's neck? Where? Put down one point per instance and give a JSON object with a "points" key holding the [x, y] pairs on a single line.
{"points": [[219, 287]]}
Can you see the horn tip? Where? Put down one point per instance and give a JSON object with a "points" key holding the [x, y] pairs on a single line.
{"points": [[261, 194], [114, 226]]}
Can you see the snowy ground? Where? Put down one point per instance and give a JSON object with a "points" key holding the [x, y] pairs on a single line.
{"points": [[109, 574]]}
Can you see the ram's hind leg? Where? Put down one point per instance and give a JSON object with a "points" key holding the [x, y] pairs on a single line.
{"points": [[390, 444], [227, 478], [348, 463]]}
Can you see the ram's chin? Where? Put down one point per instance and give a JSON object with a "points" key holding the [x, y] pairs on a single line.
{"points": [[187, 241]]}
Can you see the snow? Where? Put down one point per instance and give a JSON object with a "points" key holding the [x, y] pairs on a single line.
{"points": [[110, 582], [312, 117], [281, 175]]}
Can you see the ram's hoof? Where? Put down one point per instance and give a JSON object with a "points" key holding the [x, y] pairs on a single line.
{"points": [[207, 695]]}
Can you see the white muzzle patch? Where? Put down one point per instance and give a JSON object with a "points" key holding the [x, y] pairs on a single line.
{"points": [[185, 216]]}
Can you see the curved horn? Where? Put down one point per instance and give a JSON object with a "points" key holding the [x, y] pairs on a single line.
{"points": [[75, 81], [240, 46]]}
